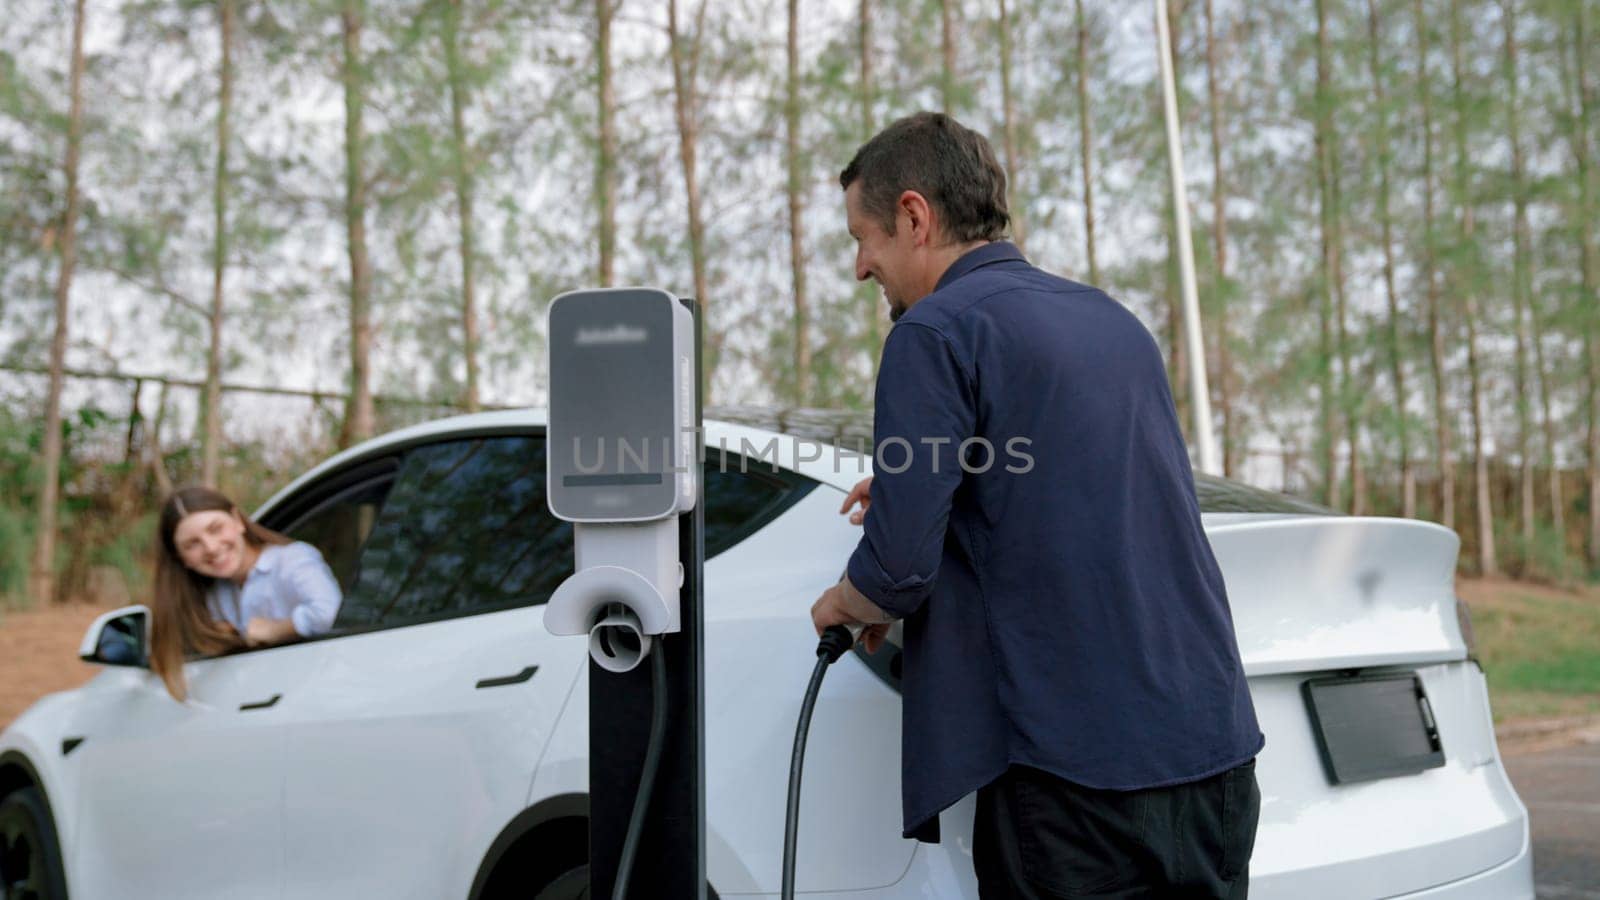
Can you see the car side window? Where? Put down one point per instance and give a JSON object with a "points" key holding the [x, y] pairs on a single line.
{"points": [[462, 528], [465, 530], [339, 527], [741, 496]]}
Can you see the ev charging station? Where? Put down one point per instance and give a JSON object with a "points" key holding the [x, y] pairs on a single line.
{"points": [[623, 465]]}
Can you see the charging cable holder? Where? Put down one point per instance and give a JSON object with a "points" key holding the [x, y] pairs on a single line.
{"points": [[624, 591]]}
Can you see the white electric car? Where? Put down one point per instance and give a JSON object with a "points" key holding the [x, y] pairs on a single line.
{"points": [[433, 746]]}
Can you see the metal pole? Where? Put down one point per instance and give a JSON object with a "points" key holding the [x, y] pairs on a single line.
{"points": [[671, 864], [1200, 391]]}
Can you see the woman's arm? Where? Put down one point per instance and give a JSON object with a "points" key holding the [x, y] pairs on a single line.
{"points": [[315, 589], [314, 597], [265, 632]]}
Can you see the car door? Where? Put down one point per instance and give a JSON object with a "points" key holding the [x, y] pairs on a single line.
{"points": [[438, 689], [184, 800]]}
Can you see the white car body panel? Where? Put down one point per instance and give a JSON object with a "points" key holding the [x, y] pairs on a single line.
{"points": [[402, 749], [382, 753], [204, 775], [850, 817]]}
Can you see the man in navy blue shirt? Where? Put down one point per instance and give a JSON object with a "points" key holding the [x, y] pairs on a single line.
{"points": [[1069, 652]]}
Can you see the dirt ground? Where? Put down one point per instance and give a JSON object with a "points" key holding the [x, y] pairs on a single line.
{"points": [[39, 654]]}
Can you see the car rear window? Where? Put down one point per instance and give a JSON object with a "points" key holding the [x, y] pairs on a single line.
{"points": [[1221, 495]]}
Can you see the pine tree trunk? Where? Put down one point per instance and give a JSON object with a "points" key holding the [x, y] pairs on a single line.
{"points": [[1436, 320], [1219, 236], [869, 127], [796, 188], [136, 420], [1546, 419], [1408, 475], [685, 66], [1465, 287], [360, 417], [947, 44], [1487, 564], [1009, 130], [461, 163], [1178, 356], [1589, 301], [869, 90], [1348, 394], [1326, 348], [1558, 511], [158, 456], [211, 403], [1520, 288], [1086, 141], [606, 161], [42, 578]]}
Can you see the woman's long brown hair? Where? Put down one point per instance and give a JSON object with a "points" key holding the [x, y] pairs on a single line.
{"points": [[181, 625]]}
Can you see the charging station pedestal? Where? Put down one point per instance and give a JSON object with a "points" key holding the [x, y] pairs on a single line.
{"points": [[624, 451]]}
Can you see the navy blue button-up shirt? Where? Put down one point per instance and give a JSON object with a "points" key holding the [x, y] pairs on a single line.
{"points": [[1034, 522]]}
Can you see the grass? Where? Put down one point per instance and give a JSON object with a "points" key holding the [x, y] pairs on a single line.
{"points": [[1539, 646]]}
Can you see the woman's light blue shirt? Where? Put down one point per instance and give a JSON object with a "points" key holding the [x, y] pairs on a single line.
{"points": [[288, 581]]}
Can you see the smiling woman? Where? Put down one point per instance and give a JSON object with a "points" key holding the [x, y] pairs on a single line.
{"points": [[224, 582]]}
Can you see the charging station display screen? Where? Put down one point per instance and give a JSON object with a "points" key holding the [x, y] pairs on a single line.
{"points": [[613, 416]]}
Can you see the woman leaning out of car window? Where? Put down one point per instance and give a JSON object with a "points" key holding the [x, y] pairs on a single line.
{"points": [[223, 582]]}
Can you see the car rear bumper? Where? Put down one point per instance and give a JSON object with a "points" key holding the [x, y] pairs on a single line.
{"points": [[944, 874], [1511, 880]]}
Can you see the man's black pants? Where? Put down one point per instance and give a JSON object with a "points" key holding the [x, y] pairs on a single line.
{"points": [[1039, 836]]}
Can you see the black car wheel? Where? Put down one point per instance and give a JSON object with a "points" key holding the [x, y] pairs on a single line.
{"points": [[572, 884], [30, 857]]}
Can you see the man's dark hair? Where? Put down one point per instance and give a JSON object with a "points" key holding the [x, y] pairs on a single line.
{"points": [[950, 165]]}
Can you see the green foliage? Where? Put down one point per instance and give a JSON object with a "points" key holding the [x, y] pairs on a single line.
{"points": [[17, 483], [1538, 645], [1546, 557], [86, 480], [16, 552]]}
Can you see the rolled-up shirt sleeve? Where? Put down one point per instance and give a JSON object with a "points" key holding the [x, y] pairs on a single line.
{"points": [[925, 410], [315, 590]]}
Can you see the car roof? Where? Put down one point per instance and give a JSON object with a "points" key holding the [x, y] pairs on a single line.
{"points": [[831, 458], [831, 446]]}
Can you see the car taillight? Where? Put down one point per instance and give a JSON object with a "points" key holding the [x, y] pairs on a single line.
{"points": [[1464, 622]]}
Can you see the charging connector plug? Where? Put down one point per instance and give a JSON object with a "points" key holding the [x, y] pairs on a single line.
{"points": [[837, 641]]}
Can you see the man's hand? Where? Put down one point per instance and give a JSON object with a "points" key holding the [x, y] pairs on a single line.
{"points": [[861, 493], [842, 604], [266, 632]]}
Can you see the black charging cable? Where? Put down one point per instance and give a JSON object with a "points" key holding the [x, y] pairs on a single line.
{"points": [[836, 641], [647, 776]]}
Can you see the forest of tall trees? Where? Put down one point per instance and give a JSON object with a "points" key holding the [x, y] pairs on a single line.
{"points": [[235, 235]]}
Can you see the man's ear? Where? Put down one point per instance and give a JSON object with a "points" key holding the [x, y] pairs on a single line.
{"points": [[917, 215]]}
